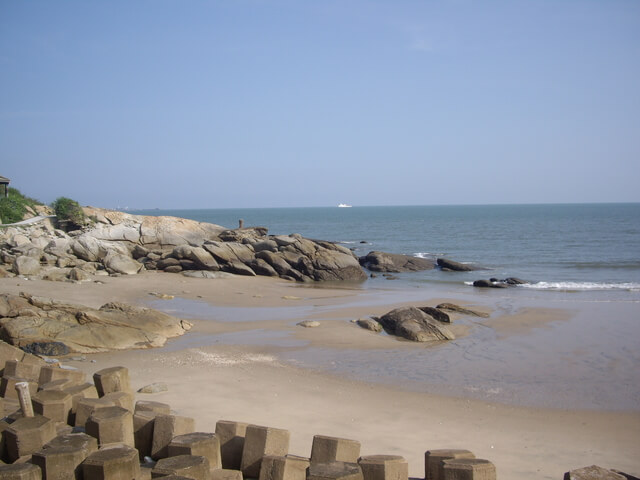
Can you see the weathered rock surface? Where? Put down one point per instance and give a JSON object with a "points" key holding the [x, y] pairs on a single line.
{"points": [[452, 307], [369, 324], [26, 319], [450, 265], [393, 262], [121, 244], [415, 325]]}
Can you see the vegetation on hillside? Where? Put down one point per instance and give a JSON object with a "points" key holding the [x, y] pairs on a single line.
{"points": [[69, 213], [15, 206]]}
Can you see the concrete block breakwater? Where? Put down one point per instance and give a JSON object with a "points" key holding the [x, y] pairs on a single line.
{"points": [[59, 425]]}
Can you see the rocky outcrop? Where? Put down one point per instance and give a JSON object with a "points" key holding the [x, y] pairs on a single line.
{"points": [[393, 262], [27, 320], [121, 244], [415, 325]]}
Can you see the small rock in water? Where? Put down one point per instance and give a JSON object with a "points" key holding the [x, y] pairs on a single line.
{"points": [[154, 388], [309, 324], [369, 324], [291, 297]]}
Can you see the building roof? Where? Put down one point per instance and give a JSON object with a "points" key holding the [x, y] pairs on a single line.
{"points": [[4, 179]]}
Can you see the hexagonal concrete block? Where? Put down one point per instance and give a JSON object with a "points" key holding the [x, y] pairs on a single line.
{"points": [[8, 387], [165, 427], [55, 385], [149, 406], [226, 474], [53, 404], [468, 469], [121, 399], [197, 443], [50, 373], [20, 471], [333, 449], [27, 435], [111, 425], [231, 436], [283, 468], [335, 471], [595, 472], [433, 461], [86, 406], [28, 371], [114, 379], [118, 462], [191, 466], [79, 440], [258, 442], [384, 467], [60, 463]]}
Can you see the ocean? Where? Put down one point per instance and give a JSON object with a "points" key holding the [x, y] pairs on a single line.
{"points": [[580, 349], [581, 247]]}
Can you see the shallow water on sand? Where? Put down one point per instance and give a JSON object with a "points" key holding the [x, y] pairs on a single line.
{"points": [[576, 350]]}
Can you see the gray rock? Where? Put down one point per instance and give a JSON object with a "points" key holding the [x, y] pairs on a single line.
{"points": [[202, 258], [239, 268], [436, 314], [119, 263], [413, 324], [369, 324], [78, 275], [308, 324], [452, 307], [447, 264], [154, 388], [393, 262], [25, 265]]}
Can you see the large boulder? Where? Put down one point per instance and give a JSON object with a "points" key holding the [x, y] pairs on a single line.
{"points": [[118, 263], [26, 319], [26, 265], [226, 252], [393, 262], [202, 258], [415, 325]]}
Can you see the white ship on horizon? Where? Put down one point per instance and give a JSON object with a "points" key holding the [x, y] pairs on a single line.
{"points": [[344, 205]]}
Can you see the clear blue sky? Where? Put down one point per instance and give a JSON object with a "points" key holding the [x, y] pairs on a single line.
{"points": [[248, 103]]}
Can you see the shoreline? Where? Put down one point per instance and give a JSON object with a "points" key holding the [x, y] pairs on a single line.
{"points": [[223, 369]]}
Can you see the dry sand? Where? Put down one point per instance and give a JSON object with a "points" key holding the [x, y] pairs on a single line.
{"points": [[249, 383]]}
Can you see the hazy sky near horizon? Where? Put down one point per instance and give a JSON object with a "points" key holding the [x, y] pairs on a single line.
{"points": [[249, 103]]}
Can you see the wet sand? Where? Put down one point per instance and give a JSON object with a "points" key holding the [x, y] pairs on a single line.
{"points": [[246, 360]]}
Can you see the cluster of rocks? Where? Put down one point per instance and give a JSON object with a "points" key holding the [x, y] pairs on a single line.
{"points": [[418, 324], [116, 243], [49, 327], [396, 263]]}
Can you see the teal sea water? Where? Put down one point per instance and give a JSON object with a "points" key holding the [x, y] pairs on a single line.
{"points": [[555, 247], [582, 260]]}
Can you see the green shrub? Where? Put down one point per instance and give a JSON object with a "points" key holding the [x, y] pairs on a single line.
{"points": [[13, 208], [69, 213]]}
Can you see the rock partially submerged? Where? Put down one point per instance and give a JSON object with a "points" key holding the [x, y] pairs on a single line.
{"points": [[449, 265], [26, 320], [415, 325], [395, 263], [496, 283]]}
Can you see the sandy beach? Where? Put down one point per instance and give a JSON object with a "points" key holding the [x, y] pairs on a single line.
{"points": [[245, 359]]}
